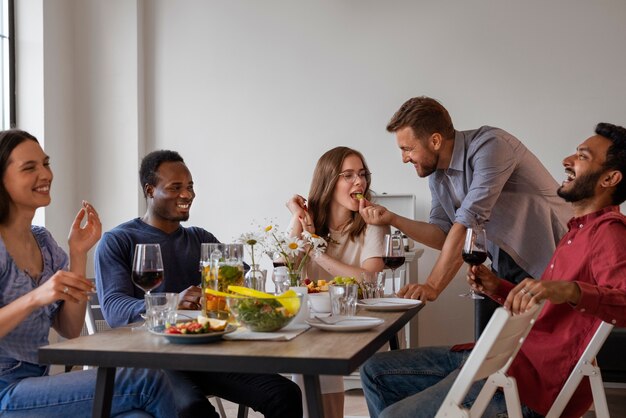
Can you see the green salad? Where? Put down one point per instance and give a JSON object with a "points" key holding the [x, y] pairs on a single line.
{"points": [[263, 315]]}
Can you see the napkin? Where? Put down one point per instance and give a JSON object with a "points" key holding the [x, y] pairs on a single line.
{"points": [[290, 332]]}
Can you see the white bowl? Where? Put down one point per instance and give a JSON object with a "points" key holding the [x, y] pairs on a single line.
{"points": [[320, 302]]}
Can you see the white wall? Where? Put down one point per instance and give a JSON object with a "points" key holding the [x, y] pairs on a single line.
{"points": [[252, 93]]}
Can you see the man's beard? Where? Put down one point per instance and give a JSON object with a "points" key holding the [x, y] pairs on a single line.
{"points": [[583, 187]]}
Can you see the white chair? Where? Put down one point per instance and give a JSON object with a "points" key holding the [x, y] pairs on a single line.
{"points": [[586, 366], [491, 357]]}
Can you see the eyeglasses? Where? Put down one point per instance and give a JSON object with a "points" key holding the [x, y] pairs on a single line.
{"points": [[351, 176]]}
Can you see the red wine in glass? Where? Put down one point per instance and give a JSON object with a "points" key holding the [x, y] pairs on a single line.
{"points": [[147, 271], [474, 253], [393, 262], [475, 258], [394, 256], [148, 279]]}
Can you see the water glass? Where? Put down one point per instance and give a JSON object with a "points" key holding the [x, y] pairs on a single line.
{"points": [[343, 299], [160, 310], [280, 277], [372, 285]]}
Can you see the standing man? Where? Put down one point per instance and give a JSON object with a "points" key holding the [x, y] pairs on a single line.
{"points": [[480, 177], [168, 188], [584, 284]]}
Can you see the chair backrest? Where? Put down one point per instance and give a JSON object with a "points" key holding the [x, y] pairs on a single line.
{"points": [[94, 320], [586, 367], [494, 351]]}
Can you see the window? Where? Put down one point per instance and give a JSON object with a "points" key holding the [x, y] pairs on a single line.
{"points": [[7, 67]]}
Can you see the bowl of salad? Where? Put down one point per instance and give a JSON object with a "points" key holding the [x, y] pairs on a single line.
{"points": [[263, 312]]}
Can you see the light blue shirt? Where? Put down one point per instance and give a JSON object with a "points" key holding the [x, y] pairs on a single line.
{"points": [[24, 340], [494, 180]]}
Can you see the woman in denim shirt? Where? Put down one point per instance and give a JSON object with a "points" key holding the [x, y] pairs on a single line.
{"points": [[40, 287]]}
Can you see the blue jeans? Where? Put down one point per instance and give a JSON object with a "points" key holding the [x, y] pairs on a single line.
{"points": [[27, 391], [413, 384]]}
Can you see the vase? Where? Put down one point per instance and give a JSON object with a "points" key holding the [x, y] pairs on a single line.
{"points": [[295, 278], [255, 278]]}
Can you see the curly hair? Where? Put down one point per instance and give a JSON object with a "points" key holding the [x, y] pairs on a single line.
{"points": [[615, 156], [151, 163], [9, 140], [425, 116]]}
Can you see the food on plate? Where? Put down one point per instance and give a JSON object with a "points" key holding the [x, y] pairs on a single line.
{"points": [[344, 280], [201, 326], [321, 286]]}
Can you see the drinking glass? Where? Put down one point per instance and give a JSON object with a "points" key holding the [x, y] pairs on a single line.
{"points": [[147, 267], [474, 253], [161, 310], [147, 271], [372, 284], [394, 256], [343, 299], [280, 277]]}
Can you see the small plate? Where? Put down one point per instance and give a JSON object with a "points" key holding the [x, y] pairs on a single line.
{"points": [[361, 324], [196, 338], [388, 304]]}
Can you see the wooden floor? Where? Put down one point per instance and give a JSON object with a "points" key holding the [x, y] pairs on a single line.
{"points": [[355, 405]]}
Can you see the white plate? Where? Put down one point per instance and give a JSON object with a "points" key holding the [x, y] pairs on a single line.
{"points": [[388, 304], [361, 324]]}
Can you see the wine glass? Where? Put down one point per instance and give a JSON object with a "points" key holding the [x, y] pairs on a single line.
{"points": [[474, 253], [394, 256], [147, 272], [147, 267]]}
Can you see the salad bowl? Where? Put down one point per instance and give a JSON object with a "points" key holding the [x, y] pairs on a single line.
{"points": [[265, 313]]}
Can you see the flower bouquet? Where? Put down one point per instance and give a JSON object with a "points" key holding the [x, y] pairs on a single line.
{"points": [[293, 250]]}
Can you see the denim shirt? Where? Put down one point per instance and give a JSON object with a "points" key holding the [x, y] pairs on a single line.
{"points": [[493, 179], [23, 342]]}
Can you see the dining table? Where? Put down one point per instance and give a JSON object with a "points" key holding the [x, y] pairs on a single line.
{"points": [[313, 353]]}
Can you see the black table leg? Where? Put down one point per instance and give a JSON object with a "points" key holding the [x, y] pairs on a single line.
{"points": [[313, 395], [104, 392], [394, 343]]}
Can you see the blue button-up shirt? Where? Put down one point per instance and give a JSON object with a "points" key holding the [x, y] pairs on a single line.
{"points": [[493, 179]]}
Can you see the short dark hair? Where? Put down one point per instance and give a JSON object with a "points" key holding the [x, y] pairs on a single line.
{"points": [[9, 140], [425, 116], [151, 163], [615, 156]]}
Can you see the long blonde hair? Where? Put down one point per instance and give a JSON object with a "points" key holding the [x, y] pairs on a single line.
{"points": [[325, 178]]}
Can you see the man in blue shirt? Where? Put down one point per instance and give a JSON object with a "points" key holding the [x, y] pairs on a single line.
{"points": [[168, 188], [481, 177]]}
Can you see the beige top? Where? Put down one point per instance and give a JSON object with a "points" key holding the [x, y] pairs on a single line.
{"points": [[367, 245]]}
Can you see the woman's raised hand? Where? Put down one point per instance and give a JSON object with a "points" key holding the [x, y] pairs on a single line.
{"points": [[81, 239], [297, 205], [63, 285]]}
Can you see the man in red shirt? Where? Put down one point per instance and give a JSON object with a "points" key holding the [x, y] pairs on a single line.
{"points": [[584, 283]]}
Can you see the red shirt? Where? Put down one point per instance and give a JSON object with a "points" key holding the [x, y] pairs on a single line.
{"points": [[592, 254]]}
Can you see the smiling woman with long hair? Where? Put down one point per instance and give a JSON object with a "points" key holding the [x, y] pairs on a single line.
{"points": [[341, 178], [41, 287]]}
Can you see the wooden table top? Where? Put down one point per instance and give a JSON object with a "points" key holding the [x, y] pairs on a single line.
{"points": [[313, 352]]}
